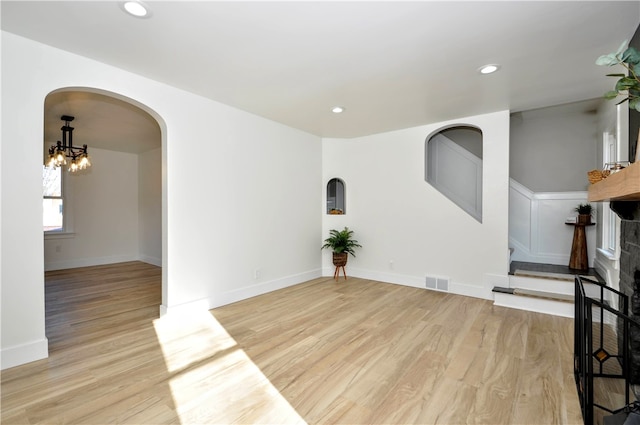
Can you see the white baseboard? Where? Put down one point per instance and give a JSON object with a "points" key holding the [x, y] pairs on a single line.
{"points": [[186, 308], [151, 260], [475, 291], [471, 290], [241, 293], [88, 262], [24, 353], [100, 261], [398, 279], [263, 288]]}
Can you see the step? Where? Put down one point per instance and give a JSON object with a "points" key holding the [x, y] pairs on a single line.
{"points": [[534, 300], [552, 286]]}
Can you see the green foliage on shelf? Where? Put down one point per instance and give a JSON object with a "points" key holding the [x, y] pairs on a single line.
{"points": [[628, 85]]}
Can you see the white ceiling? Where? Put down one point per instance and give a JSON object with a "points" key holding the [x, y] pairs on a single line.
{"points": [[392, 65], [100, 122]]}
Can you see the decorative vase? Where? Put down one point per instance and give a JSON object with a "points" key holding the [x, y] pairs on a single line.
{"points": [[584, 218], [340, 259]]}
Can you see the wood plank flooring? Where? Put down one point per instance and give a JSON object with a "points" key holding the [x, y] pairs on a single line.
{"points": [[353, 352]]}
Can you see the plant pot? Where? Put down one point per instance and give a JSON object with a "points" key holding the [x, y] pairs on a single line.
{"points": [[584, 218], [340, 259]]}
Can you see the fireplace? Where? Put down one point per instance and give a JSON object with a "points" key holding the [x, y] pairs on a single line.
{"points": [[629, 213]]}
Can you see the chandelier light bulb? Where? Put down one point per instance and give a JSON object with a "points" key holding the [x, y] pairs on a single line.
{"points": [[60, 159], [84, 162], [51, 162]]}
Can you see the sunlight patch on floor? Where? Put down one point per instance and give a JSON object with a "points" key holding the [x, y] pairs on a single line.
{"points": [[212, 379]]}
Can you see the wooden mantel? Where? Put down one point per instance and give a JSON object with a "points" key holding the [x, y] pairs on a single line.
{"points": [[621, 186]]}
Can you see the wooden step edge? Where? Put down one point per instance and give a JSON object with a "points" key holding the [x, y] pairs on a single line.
{"points": [[502, 290], [535, 294]]}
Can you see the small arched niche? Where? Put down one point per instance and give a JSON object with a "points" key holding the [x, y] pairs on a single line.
{"points": [[453, 166], [336, 197]]}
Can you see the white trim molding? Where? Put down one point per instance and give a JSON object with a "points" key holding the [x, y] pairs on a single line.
{"points": [[240, 294], [24, 353]]}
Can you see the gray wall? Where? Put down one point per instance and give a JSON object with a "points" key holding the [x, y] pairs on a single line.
{"points": [[467, 137], [552, 149]]}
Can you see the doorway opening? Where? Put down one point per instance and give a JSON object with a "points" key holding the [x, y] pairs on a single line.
{"points": [[112, 212]]}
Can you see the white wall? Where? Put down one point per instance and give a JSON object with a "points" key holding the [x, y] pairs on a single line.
{"points": [[150, 206], [230, 227], [407, 228], [467, 137], [103, 214], [552, 149]]}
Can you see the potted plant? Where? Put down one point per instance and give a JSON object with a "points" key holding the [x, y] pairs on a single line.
{"points": [[584, 213], [342, 244], [627, 85]]}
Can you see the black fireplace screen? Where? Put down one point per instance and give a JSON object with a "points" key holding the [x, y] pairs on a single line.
{"points": [[603, 366]]}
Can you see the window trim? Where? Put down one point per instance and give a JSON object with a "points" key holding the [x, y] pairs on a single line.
{"points": [[610, 227], [67, 213]]}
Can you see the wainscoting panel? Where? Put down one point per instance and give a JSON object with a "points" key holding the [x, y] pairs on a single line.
{"points": [[537, 229]]}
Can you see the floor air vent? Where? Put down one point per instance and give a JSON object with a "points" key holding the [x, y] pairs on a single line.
{"points": [[439, 283]]}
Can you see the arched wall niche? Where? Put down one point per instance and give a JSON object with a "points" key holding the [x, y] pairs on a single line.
{"points": [[453, 165], [336, 197]]}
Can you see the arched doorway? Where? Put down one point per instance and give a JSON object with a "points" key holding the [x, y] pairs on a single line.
{"points": [[114, 212]]}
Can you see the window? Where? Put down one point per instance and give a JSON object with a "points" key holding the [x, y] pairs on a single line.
{"points": [[609, 226], [52, 201], [335, 197]]}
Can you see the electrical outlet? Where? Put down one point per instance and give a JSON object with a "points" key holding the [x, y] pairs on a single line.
{"points": [[257, 273], [391, 264]]}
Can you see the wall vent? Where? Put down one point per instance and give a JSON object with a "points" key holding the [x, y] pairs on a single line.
{"points": [[442, 284], [432, 282], [439, 283]]}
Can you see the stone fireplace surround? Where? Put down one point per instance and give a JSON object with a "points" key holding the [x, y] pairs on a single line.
{"points": [[629, 212]]}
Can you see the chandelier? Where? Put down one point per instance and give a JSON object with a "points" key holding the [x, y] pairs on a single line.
{"points": [[64, 149]]}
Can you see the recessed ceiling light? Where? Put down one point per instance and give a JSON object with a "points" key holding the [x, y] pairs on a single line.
{"points": [[136, 8], [337, 109], [488, 69]]}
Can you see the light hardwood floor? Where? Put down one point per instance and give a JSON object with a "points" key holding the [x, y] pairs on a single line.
{"points": [[353, 352]]}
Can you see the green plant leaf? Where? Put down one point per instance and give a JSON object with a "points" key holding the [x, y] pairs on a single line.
{"points": [[622, 47], [626, 83], [631, 56], [341, 241], [611, 95], [608, 60], [634, 104]]}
